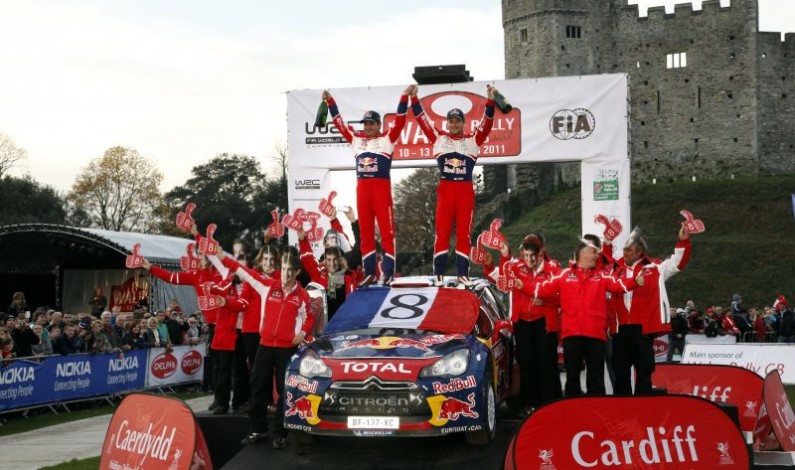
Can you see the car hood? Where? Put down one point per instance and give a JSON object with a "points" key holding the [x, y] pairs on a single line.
{"points": [[342, 346]]}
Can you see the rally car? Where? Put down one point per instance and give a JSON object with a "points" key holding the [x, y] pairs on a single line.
{"points": [[406, 360]]}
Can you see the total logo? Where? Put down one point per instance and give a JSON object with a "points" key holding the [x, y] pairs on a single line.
{"points": [[566, 124], [164, 365], [375, 367], [712, 394]]}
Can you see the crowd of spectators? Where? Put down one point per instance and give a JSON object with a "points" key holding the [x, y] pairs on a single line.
{"points": [[43, 332]]}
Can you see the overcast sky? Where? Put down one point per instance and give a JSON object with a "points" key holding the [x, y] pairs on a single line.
{"points": [[184, 80]]}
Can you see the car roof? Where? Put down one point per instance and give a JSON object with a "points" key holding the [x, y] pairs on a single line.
{"points": [[440, 309]]}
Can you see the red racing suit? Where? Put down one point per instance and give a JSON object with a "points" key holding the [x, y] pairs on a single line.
{"points": [[582, 299], [225, 335], [374, 186], [526, 308], [456, 156], [191, 278]]}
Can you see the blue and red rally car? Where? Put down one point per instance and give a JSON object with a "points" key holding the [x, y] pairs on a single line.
{"points": [[406, 360]]}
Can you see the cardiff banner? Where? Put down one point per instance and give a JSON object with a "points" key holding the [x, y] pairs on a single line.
{"points": [[652, 432], [154, 433], [557, 119], [63, 378], [721, 384], [760, 359], [775, 429], [180, 364]]}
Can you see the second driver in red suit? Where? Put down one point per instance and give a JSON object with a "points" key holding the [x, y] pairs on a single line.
{"points": [[456, 153], [373, 150]]}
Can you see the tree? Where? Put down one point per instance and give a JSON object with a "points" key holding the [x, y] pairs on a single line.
{"points": [[25, 200], [230, 191], [10, 154], [415, 214], [120, 191], [275, 192]]}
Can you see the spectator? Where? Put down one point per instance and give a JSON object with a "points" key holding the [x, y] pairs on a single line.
{"points": [[44, 346], [56, 321], [176, 326], [18, 305], [193, 333], [109, 331], [67, 342], [55, 333], [173, 305], [151, 335], [98, 303], [679, 328], [759, 327], [726, 323], [711, 325], [102, 343], [24, 338], [7, 350], [690, 307], [786, 321], [741, 317], [132, 338], [162, 329]]}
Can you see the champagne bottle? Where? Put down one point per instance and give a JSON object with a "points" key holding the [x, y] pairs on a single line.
{"points": [[502, 104], [322, 114]]}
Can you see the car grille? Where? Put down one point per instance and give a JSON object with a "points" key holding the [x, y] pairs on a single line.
{"points": [[373, 397]]}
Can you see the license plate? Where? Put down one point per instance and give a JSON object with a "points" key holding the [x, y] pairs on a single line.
{"points": [[373, 422]]}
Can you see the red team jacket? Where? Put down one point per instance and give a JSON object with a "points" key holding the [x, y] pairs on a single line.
{"points": [[523, 306], [647, 305], [318, 273], [191, 278], [225, 334], [582, 299]]}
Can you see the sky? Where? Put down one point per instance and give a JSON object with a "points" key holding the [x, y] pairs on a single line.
{"points": [[184, 80]]}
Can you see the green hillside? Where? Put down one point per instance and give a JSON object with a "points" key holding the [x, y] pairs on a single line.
{"points": [[748, 247]]}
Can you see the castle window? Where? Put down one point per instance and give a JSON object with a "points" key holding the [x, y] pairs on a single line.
{"points": [[574, 32], [523, 35], [676, 61], [637, 64], [698, 98], [764, 55]]}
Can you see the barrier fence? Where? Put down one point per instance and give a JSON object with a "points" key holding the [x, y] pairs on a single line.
{"points": [[60, 379]]}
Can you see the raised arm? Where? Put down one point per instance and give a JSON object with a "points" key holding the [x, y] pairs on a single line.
{"points": [[482, 132], [681, 255], [257, 283], [308, 261], [337, 118], [422, 118], [400, 119]]}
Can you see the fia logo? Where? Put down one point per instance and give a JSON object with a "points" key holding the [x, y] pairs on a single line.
{"points": [[725, 458], [577, 123], [546, 459]]}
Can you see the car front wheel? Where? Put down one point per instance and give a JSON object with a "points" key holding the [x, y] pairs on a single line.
{"points": [[486, 435]]}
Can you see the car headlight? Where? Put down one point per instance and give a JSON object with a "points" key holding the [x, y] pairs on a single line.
{"points": [[313, 366], [450, 365]]}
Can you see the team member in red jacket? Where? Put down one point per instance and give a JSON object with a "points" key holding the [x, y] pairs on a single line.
{"points": [[333, 273], [643, 314], [535, 322], [456, 153], [373, 149], [224, 342], [287, 322], [582, 289]]}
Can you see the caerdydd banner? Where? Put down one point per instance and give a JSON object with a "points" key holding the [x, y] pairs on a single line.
{"points": [[64, 378], [179, 365], [553, 120], [652, 432], [758, 358]]}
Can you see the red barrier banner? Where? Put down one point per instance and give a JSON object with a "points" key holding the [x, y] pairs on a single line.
{"points": [[776, 426], [652, 432], [154, 433], [721, 384]]}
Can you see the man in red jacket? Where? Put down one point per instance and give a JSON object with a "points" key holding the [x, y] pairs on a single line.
{"points": [[224, 343], [535, 322], [643, 314], [332, 273], [287, 321], [582, 289], [372, 150]]}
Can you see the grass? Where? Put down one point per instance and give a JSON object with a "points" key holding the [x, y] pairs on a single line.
{"points": [[91, 463], [17, 424], [746, 249]]}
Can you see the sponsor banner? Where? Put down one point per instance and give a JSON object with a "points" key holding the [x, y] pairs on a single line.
{"points": [[661, 348], [777, 426], [181, 364], [154, 433], [64, 378], [582, 118], [595, 433], [760, 359], [722, 384]]}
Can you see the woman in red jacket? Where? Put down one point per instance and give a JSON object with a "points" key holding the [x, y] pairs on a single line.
{"points": [[583, 300], [224, 341], [287, 322]]}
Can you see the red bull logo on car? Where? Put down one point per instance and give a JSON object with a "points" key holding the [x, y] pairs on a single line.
{"points": [[385, 342], [445, 409], [303, 407]]}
